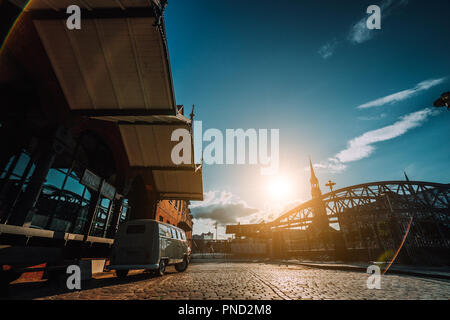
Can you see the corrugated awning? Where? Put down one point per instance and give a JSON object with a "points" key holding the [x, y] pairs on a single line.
{"points": [[116, 63], [179, 119], [183, 185], [149, 146]]}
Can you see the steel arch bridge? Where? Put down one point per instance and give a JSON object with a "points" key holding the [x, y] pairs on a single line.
{"points": [[395, 196], [375, 216]]}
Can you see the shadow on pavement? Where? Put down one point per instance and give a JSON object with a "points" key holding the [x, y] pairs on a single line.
{"points": [[42, 289]]}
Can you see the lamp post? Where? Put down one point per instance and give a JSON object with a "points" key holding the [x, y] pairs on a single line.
{"points": [[443, 101], [216, 229]]}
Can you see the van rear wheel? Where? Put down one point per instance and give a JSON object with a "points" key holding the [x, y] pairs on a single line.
{"points": [[182, 266], [121, 273]]}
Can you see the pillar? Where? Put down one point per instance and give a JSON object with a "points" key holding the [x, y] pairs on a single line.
{"points": [[115, 217], [27, 202]]}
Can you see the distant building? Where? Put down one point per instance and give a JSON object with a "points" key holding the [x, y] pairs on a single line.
{"points": [[177, 213], [244, 230], [204, 236]]}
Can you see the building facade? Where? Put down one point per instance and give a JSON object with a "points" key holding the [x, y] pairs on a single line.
{"points": [[177, 213], [83, 148]]}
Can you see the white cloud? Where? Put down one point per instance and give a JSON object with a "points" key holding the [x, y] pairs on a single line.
{"points": [[207, 221], [359, 32], [363, 146], [402, 95], [213, 197], [222, 207], [229, 213], [378, 117], [331, 165], [328, 49], [226, 208]]}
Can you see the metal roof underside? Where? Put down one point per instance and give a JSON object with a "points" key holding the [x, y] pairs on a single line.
{"points": [[110, 64], [150, 146]]}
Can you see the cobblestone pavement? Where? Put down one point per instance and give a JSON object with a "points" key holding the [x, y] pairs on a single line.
{"points": [[245, 281]]}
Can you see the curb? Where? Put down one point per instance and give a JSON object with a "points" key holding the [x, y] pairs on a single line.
{"points": [[392, 270]]}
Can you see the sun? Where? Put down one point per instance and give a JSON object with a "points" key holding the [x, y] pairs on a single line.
{"points": [[279, 187]]}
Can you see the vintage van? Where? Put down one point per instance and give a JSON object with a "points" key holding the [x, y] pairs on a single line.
{"points": [[149, 244]]}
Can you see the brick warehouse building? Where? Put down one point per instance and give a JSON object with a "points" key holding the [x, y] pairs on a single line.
{"points": [[177, 213], [85, 131]]}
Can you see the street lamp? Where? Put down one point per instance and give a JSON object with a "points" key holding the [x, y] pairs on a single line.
{"points": [[443, 101]]}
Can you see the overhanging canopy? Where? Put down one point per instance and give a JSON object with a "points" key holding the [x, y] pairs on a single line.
{"points": [[184, 185], [149, 146], [117, 62]]}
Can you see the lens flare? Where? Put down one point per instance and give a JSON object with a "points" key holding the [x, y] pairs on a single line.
{"points": [[279, 187], [2, 45]]}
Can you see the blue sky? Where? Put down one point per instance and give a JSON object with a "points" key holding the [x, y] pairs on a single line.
{"points": [[308, 69]]}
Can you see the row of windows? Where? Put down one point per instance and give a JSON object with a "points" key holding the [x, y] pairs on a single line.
{"points": [[64, 202], [162, 220], [18, 166], [178, 204], [169, 232]]}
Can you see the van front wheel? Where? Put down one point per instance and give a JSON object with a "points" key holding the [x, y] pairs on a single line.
{"points": [[182, 266], [162, 268]]}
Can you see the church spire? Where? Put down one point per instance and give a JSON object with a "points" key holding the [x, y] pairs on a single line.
{"points": [[315, 190], [313, 179]]}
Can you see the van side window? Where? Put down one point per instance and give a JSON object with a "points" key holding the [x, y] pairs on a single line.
{"points": [[173, 232], [183, 235], [164, 231]]}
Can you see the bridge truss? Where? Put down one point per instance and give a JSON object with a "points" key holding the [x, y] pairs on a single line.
{"points": [[375, 216]]}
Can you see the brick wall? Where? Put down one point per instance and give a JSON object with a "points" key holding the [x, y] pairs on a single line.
{"points": [[177, 213]]}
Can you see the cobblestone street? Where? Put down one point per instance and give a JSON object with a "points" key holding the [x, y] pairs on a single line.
{"points": [[265, 281]]}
